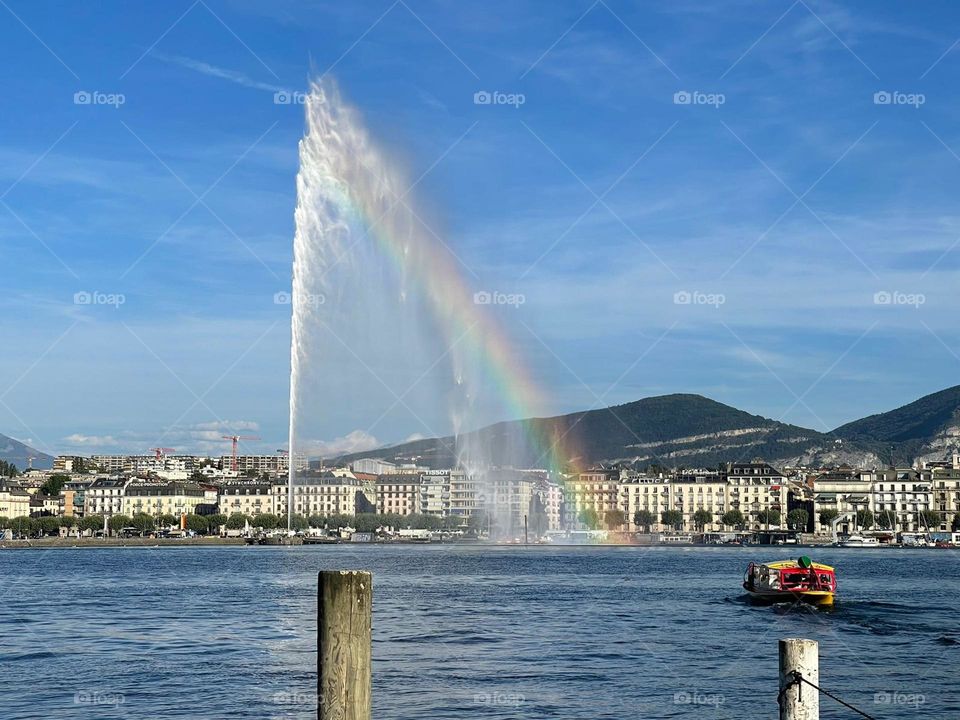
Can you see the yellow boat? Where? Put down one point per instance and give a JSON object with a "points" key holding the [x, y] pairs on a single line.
{"points": [[800, 580]]}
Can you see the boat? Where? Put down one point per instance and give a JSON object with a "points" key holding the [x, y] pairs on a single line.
{"points": [[800, 580], [860, 541]]}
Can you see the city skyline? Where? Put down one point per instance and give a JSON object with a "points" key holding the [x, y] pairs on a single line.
{"points": [[760, 213]]}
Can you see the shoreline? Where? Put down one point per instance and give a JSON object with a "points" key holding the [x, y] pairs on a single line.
{"points": [[81, 543]]}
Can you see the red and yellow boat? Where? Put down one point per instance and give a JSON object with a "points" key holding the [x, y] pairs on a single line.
{"points": [[800, 580]]}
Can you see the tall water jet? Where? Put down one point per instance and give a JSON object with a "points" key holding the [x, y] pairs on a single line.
{"points": [[385, 332]]}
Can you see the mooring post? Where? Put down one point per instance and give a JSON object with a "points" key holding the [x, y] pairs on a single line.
{"points": [[344, 609], [798, 700]]}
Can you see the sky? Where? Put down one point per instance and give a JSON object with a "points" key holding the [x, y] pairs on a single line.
{"points": [[754, 202]]}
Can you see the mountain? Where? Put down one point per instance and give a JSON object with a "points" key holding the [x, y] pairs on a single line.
{"points": [[16, 452], [927, 429], [670, 430]]}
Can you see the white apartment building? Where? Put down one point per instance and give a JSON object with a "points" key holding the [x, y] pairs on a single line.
{"points": [[327, 495], [170, 498], [398, 493], [435, 492], [247, 498], [14, 500], [104, 496]]}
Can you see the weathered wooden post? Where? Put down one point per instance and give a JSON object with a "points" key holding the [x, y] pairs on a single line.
{"points": [[799, 701], [344, 609]]}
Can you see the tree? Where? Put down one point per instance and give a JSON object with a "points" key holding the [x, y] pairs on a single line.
{"points": [[237, 521], [954, 526], [143, 522], [267, 521], [614, 519], [167, 520], [702, 518], [91, 523], [769, 517], [930, 519], [68, 521], [54, 484], [589, 519], [864, 519], [197, 524], [316, 521], [299, 522], [797, 519], [22, 525], [828, 516], [8, 469], [4, 522], [215, 521], [672, 518], [886, 519], [732, 518], [644, 519], [118, 522], [48, 525]]}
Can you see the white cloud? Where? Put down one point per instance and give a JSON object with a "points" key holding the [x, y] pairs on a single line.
{"points": [[356, 441], [78, 440]]}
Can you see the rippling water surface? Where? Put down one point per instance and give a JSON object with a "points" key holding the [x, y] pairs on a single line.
{"points": [[467, 632]]}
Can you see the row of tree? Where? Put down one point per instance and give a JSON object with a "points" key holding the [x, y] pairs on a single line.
{"points": [[615, 519]]}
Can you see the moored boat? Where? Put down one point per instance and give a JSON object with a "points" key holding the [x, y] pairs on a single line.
{"points": [[860, 541], [800, 580]]}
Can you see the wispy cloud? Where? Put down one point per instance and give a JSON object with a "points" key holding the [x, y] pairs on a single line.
{"points": [[204, 68]]}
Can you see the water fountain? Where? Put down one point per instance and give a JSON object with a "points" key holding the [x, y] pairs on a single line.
{"points": [[385, 332]]}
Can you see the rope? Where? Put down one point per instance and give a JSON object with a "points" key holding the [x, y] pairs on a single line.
{"points": [[797, 678]]}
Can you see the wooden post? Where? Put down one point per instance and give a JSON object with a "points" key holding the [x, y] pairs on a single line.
{"points": [[344, 604], [799, 701]]}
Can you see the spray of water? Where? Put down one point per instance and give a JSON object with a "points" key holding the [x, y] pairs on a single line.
{"points": [[375, 297]]}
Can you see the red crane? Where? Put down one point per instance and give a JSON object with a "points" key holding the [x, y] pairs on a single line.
{"points": [[235, 439], [161, 452]]}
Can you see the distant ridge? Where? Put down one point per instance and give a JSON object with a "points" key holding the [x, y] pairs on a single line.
{"points": [[691, 430], [14, 451]]}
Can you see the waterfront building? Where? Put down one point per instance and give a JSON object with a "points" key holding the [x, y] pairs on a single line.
{"points": [[946, 493], [170, 498], [328, 495], [398, 494], [104, 496], [596, 490], [508, 497], [757, 488], [14, 500], [435, 492], [247, 498], [901, 499]]}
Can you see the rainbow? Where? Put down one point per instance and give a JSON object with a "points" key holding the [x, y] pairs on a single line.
{"points": [[370, 196]]}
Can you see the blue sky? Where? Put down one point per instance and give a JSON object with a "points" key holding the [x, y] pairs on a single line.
{"points": [[781, 200]]}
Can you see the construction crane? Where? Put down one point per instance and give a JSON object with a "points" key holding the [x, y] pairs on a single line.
{"points": [[30, 460], [161, 452], [235, 439]]}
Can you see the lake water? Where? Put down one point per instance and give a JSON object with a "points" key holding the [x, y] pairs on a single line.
{"points": [[467, 632]]}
